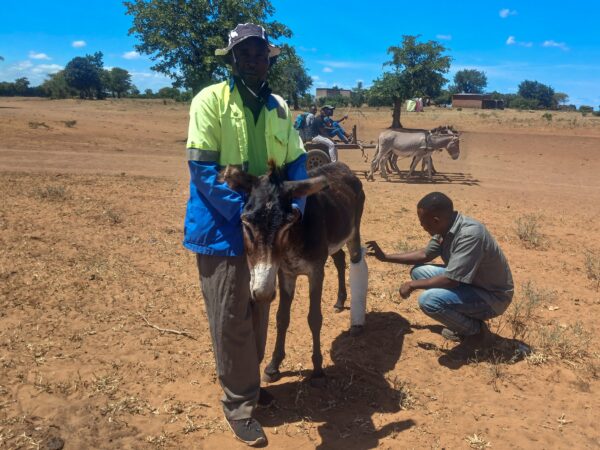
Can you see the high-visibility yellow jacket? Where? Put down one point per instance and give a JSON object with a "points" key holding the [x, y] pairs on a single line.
{"points": [[218, 137]]}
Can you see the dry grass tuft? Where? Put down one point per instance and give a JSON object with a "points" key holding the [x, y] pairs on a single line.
{"points": [[477, 442], [570, 343], [114, 217], [405, 398], [52, 193], [521, 316], [528, 231], [36, 125], [70, 123], [592, 267]]}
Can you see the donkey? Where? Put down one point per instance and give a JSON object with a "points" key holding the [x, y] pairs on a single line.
{"points": [[278, 241], [417, 143]]}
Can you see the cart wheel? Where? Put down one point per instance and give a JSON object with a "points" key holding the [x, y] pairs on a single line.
{"points": [[316, 158]]}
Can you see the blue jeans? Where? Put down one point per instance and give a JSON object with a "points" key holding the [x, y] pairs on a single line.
{"points": [[460, 309]]}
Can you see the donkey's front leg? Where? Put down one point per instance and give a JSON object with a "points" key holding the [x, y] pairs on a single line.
{"points": [[287, 286], [339, 259], [315, 321]]}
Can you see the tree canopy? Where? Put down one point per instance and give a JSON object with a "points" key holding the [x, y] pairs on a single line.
{"points": [[542, 95], [288, 76], [418, 70], [181, 36], [469, 81], [84, 73]]}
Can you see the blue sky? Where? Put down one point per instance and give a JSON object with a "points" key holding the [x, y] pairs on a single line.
{"points": [[553, 42]]}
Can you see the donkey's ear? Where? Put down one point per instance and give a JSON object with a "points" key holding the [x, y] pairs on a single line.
{"points": [[306, 187], [237, 179]]}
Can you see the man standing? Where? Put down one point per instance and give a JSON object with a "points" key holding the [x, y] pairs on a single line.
{"points": [[321, 133], [237, 122], [473, 285]]}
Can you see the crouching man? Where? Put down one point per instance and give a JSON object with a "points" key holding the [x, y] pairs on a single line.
{"points": [[473, 285]]}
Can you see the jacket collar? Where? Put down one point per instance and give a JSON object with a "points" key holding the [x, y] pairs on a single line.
{"points": [[270, 100]]}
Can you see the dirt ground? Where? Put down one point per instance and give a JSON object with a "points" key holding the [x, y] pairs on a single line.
{"points": [[93, 197]]}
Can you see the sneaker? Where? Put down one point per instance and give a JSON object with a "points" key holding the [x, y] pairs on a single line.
{"points": [[248, 431], [452, 335], [265, 399]]}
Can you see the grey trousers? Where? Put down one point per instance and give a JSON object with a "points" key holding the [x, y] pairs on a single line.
{"points": [[238, 328]]}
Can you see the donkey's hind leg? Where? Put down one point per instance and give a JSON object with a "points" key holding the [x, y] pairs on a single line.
{"points": [[339, 259]]}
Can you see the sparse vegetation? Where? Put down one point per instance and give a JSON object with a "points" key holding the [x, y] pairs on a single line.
{"points": [[528, 231], [70, 123], [565, 342], [547, 116], [52, 193], [36, 125], [521, 314], [477, 442], [114, 217], [592, 267]]}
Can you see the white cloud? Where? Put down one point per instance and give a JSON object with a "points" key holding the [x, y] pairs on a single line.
{"points": [[512, 41], [504, 13], [307, 49], [327, 69], [36, 55], [444, 37], [315, 77], [45, 69], [349, 64], [131, 55], [552, 43], [78, 44], [35, 73]]}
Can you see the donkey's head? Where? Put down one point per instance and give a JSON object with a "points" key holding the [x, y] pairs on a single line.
{"points": [[448, 138], [267, 219]]}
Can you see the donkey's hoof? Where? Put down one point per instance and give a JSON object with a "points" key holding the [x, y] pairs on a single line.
{"points": [[356, 330], [271, 377], [318, 381], [338, 307]]}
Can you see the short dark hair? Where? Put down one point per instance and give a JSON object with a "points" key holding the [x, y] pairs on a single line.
{"points": [[436, 202]]}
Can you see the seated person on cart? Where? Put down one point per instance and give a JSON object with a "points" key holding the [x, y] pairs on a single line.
{"points": [[321, 134], [335, 127]]}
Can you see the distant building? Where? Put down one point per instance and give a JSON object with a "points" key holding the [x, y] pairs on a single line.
{"points": [[480, 101], [330, 92]]}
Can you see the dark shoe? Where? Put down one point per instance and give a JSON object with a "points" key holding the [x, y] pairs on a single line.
{"points": [[248, 431], [264, 398], [483, 339], [452, 335]]}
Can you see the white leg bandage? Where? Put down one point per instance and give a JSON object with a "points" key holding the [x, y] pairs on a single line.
{"points": [[359, 281]]}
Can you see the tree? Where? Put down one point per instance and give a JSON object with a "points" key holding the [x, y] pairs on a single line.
{"points": [[358, 96], [118, 81], [542, 94], [288, 76], [560, 99], [181, 36], [85, 75], [55, 86], [469, 81], [418, 70], [21, 86]]}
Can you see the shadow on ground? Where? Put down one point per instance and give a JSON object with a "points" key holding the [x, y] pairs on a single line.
{"points": [[357, 389], [439, 178]]}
